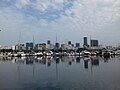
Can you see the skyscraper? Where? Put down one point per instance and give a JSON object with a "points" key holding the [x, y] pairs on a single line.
{"points": [[85, 41], [77, 45], [94, 43], [48, 42], [29, 46], [69, 43], [57, 45]]}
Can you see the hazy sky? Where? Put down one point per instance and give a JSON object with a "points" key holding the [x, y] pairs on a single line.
{"points": [[69, 19]]}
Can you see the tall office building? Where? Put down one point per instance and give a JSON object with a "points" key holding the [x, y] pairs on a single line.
{"points": [[57, 45], [29, 46], [85, 45], [94, 43], [69, 43], [48, 42], [85, 41], [77, 45]]}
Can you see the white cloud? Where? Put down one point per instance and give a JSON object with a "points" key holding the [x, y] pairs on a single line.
{"points": [[22, 3], [40, 5], [85, 17]]}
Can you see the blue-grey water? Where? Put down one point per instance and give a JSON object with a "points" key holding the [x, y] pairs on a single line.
{"points": [[66, 73]]}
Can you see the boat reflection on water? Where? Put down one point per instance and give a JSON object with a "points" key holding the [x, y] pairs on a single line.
{"points": [[94, 60], [86, 60], [60, 73]]}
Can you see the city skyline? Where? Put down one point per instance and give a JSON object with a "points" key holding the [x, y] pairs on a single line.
{"points": [[69, 19]]}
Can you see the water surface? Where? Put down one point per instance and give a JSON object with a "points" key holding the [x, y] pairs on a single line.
{"points": [[66, 73]]}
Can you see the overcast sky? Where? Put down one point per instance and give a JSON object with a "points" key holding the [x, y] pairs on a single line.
{"points": [[69, 19]]}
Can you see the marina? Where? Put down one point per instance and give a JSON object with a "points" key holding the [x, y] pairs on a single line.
{"points": [[59, 44], [51, 53]]}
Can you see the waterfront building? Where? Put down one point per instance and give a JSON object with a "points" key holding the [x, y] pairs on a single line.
{"points": [[29, 46], [5, 47], [94, 43], [109, 47], [85, 41], [19, 47], [57, 45], [72, 45], [77, 45], [40, 47], [50, 46], [13, 47], [67, 47], [85, 45], [48, 42], [69, 42], [22, 47]]}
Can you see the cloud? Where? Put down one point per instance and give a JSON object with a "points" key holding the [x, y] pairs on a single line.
{"points": [[40, 5], [40, 17], [22, 3]]}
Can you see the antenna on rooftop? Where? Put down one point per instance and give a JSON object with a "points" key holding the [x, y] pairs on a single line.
{"points": [[33, 41]]}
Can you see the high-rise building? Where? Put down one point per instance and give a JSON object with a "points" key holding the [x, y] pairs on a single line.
{"points": [[41, 46], [72, 45], [85, 41], [29, 46], [21, 46], [69, 43], [48, 42], [94, 43], [77, 45], [57, 45]]}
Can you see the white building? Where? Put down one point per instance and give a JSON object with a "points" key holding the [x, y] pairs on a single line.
{"points": [[50, 46], [67, 47], [5, 47]]}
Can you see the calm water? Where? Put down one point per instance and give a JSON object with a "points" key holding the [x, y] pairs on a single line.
{"points": [[67, 73]]}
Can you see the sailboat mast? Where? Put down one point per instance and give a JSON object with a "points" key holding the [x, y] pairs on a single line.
{"points": [[19, 41], [33, 42]]}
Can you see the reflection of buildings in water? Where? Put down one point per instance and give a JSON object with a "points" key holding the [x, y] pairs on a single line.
{"points": [[86, 64], [109, 59], [68, 60], [18, 60], [5, 59], [77, 59], [70, 63], [112, 56], [48, 64], [86, 60], [49, 60], [41, 60], [44, 60], [94, 61], [29, 61], [49, 57], [32, 60], [57, 60], [106, 59], [118, 57]]}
